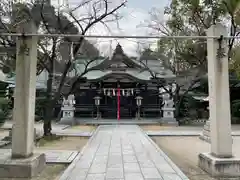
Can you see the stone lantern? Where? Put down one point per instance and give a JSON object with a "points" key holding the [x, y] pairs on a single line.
{"points": [[97, 104], [68, 110], [139, 103]]}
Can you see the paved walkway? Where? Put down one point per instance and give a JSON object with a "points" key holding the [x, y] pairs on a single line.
{"points": [[122, 152]]}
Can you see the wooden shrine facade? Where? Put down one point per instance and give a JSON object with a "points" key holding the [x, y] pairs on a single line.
{"points": [[108, 107], [117, 83]]}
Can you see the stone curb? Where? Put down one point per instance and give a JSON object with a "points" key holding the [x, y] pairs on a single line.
{"points": [[82, 134], [4, 143], [64, 128], [162, 133], [170, 162], [67, 172], [172, 134]]}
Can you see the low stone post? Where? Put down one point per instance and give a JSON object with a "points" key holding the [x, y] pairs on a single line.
{"points": [[219, 162], [205, 136], [68, 111], [24, 163], [168, 110], [139, 103]]}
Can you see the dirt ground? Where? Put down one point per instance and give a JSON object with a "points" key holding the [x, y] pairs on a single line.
{"points": [[3, 133], [83, 128], [174, 128], [180, 128], [54, 171], [154, 127], [63, 143], [50, 172], [182, 152]]}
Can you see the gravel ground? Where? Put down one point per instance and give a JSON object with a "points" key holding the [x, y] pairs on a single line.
{"points": [[180, 128], [83, 128], [54, 171], [3, 133], [50, 172], [64, 143], [155, 128], [182, 152]]}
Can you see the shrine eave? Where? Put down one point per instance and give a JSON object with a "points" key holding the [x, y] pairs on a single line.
{"points": [[102, 75]]}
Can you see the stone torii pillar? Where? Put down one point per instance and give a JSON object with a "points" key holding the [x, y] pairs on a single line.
{"points": [[24, 163], [219, 162]]}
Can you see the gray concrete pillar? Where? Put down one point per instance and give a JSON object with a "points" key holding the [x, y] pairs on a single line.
{"points": [[220, 161], [219, 99], [24, 97]]}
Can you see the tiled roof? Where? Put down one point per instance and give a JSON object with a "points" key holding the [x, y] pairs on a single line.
{"points": [[101, 68], [11, 82]]}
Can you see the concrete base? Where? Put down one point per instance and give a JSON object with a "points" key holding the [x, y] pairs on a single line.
{"points": [[205, 138], [68, 121], [169, 122], [219, 167], [22, 168]]}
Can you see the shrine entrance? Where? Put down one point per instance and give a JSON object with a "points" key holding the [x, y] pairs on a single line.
{"points": [[118, 104]]}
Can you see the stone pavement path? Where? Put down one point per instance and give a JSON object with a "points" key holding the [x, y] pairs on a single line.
{"points": [[122, 152]]}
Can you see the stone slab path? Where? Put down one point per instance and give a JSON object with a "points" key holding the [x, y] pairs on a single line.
{"points": [[52, 156], [122, 152]]}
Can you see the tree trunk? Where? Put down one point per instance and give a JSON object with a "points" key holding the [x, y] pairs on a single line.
{"points": [[176, 102], [48, 107]]}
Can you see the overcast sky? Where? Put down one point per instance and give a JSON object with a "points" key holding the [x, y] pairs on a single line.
{"points": [[134, 14]]}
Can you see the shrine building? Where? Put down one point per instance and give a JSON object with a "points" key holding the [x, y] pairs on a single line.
{"points": [[121, 88]]}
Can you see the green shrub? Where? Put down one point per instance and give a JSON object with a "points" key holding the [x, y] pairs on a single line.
{"points": [[188, 105], [4, 110], [191, 109], [40, 107], [235, 110]]}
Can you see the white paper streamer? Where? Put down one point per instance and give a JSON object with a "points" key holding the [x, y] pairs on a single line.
{"points": [[114, 92]]}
